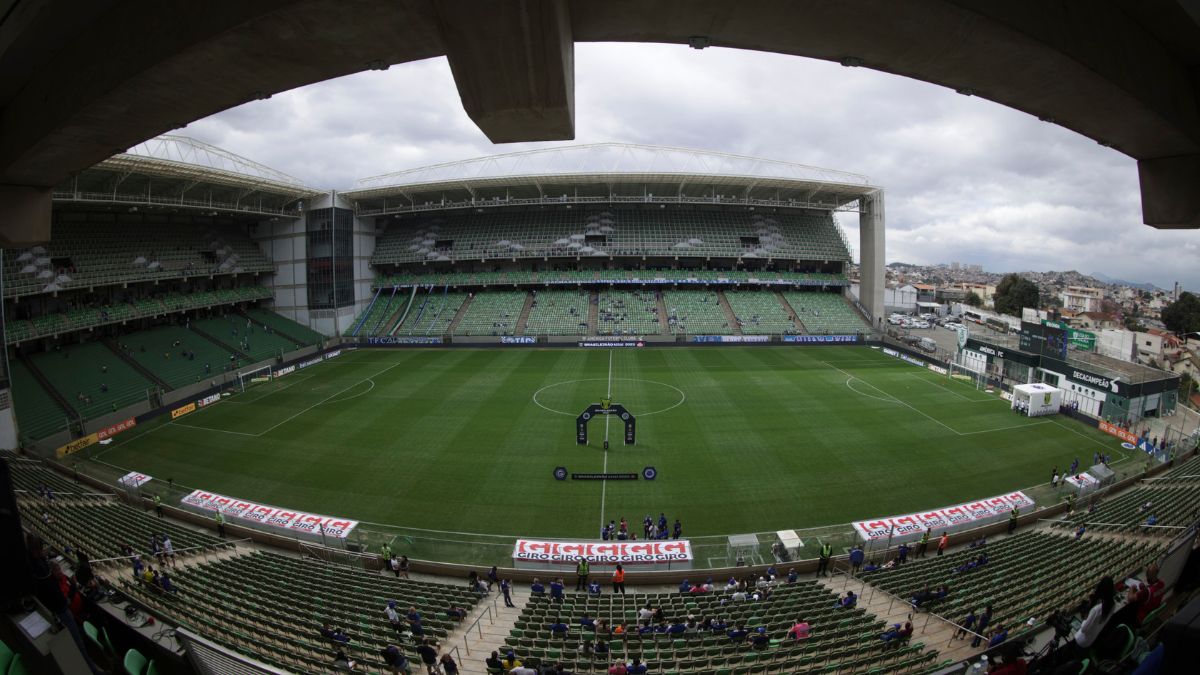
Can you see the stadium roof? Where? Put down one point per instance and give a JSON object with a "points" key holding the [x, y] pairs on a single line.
{"points": [[171, 156], [621, 170]]}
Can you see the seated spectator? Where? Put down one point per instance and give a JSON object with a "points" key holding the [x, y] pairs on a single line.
{"points": [[684, 586], [587, 622], [636, 667], [677, 628], [800, 631], [759, 638], [398, 663], [737, 634], [510, 661], [493, 662], [999, 634], [342, 662], [792, 577], [558, 628], [849, 601], [537, 589], [897, 634]]}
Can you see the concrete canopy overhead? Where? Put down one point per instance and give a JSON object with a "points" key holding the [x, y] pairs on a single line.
{"points": [[80, 82]]}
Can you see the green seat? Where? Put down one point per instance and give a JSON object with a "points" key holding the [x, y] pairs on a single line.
{"points": [[93, 635], [135, 663], [17, 667], [6, 657]]}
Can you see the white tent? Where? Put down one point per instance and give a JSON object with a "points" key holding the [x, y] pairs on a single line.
{"points": [[1036, 399]]}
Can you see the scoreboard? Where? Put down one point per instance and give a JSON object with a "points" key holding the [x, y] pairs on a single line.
{"points": [[1045, 340]]}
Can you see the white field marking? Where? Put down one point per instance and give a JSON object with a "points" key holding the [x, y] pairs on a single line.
{"points": [[889, 399], [223, 431], [604, 483], [298, 379], [1124, 455], [361, 393], [919, 412], [681, 401], [948, 390]]}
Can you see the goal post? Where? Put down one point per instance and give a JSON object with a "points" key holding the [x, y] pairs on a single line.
{"points": [[255, 376], [967, 376]]}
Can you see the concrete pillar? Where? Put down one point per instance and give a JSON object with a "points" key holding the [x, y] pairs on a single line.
{"points": [[514, 64], [25, 215], [1170, 191], [871, 254]]}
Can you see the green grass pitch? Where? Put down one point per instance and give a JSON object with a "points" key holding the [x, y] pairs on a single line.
{"points": [[747, 439]]}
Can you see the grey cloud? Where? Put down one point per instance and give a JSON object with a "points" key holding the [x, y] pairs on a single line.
{"points": [[967, 179]]}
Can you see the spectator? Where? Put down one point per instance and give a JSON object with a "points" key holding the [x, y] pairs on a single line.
{"points": [[800, 631], [404, 566], [943, 542], [537, 589], [856, 558], [636, 667], [792, 576], [1080, 532], [506, 590], [449, 665], [558, 628], [395, 659], [967, 624], [493, 662], [556, 590], [849, 601], [1104, 600], [923, 545], [1008, 660], [618, 668], [999, 634], [759, 638], [982, 622], [902, 554], [619, 580], [510, 661], [429, 655], [393, 616], [342, 662]]}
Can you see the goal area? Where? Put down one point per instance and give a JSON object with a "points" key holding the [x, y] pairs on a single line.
{"points": [[250, 378], [966, 375]]}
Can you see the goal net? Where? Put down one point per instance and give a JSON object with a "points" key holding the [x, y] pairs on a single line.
{"points": [[965, 375], [253, 377]]}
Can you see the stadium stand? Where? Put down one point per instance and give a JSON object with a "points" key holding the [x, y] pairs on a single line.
{"points": [[97, 254], [29, 476], [843, 639], [38, 413], [760, 312], [617, 232], [432, 313], [102, 527], [558, 312], [162, 352], [492, 313], [92, 378], [607, 276], [1027, 575], [695, 312], [48, 325], [273, 607], [385, 303], [628, 312], [826, 313], [239, 333], [297, 333], [1174, 503]]}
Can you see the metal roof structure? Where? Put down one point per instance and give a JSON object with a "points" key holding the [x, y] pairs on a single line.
{"points": [[172, 156], [615, 171]]}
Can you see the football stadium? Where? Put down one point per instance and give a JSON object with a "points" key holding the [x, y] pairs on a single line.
{"points": [[590, 408]]}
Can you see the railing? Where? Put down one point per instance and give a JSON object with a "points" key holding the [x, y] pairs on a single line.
{"points": [[487, 612], [202, 547], [849, 207], [153, 200]]}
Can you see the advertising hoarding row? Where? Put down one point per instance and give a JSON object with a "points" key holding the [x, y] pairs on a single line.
{"points": [[288, 521], [950, 519]]}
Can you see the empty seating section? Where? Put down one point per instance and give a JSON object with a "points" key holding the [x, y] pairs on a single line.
{"points": [[80, 256], [304, 334], [166, 351], [37, 412], [844, 640], [1173, 505], [510, 277], [79, 319], [1027, 575], [826, 313], [558, 312], [372, 319], [82, 372], [29, 477], [252, 339], [431, 313], [628, 313], [492, 313], [695, 312], [1188, 471], [615, 232], [273, 607], [101, 527], [760, 312]]}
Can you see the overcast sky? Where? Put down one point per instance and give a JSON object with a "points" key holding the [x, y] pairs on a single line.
{"points": [[967, 180]]}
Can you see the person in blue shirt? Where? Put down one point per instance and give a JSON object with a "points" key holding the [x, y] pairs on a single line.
{"points": [[737, 634], [902, 554], [984, 620], [772, 573], [678, 529], [506, 591], [587, 622], [537, 588], [792, 576], [856, 558], [759, 639], [967, 624], [593, 587], [636, 667], [662, 521], [558, 628], [684, 586], [849, 601], [1151, 521], [556, 590], [999, 635]]}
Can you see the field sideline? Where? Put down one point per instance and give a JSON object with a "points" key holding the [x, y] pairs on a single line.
{"points": [[744, 439]]}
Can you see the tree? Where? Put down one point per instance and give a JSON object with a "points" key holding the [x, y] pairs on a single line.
{"points": [[1053, 302], [974, 300], [1013, 293], [1183, 315]]}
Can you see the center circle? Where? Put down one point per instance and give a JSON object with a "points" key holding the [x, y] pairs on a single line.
{"points": [[565, 393]]}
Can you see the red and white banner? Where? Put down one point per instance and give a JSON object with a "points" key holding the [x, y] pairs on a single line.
{"points": [[624, 552], [958, 517], [114, 429], [295, 522], [1127, 436], [133, 479]]}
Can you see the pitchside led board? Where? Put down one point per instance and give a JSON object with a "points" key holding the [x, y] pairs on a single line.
{"points": [[1045, 340]]}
